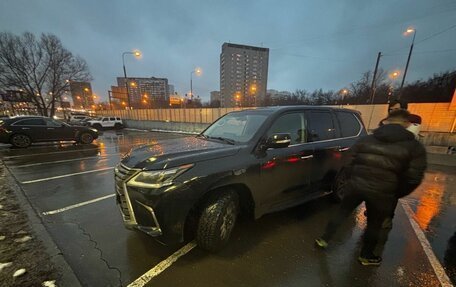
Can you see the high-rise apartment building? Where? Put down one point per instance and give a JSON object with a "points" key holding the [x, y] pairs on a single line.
{"points": [[243, 75], [215, 98], [146, 92], [81, 93]]}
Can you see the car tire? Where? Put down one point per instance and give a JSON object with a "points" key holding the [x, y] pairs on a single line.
{"points": [[20, 140], [86, 138], [340, 185], [118, 126], [97, 126], [217, 220]]}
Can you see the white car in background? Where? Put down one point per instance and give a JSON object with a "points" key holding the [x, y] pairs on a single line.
{"points": [[105, 123], [75, 119]]}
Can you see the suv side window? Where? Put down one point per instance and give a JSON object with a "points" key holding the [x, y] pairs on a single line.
{"points": [[321, 125], [105, 119], [293, 124], [112, 119], [118, 119], [30, 122], [349, 125]]}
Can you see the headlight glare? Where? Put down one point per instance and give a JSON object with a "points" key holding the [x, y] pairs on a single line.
{"points": [[157, 178]]}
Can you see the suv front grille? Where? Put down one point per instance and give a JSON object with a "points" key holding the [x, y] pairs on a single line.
{"points": [[121, 175]]}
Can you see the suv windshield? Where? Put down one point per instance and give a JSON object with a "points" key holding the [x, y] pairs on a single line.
{"points": [[235, 127]]}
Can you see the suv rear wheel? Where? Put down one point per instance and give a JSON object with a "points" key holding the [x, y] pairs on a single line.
{"points": [[21, 140], [217, 220]]}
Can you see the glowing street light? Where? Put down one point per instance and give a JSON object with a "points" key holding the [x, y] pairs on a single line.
{"points": [[137, 53], [394, 74]]}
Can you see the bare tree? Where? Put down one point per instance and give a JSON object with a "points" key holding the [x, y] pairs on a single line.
{"points": [[42, 68]]}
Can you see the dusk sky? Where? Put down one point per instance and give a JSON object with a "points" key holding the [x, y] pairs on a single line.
{"points": [[313, 44]]}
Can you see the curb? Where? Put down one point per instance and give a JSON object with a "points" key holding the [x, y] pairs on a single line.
{"points": [[68, 278], [441, 159]]}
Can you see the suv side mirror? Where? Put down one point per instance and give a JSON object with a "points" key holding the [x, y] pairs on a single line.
{"points": [[279, 140]]}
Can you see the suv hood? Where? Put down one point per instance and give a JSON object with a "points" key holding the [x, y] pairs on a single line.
{"points": [[175, 152]]}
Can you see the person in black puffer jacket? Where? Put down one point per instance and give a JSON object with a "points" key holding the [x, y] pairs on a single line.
{"points": [[385, 166]]}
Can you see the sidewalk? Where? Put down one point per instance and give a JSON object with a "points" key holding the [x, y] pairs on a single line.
{"points": [[25, 245]]}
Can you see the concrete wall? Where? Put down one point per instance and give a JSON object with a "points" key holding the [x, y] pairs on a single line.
{"points": [[438, 125], [437, 117]]}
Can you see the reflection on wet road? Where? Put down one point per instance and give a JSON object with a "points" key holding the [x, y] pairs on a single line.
{"points": [[276, 250], [434, 205]]}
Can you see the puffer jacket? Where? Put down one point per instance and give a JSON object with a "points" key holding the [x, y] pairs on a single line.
{"points": [[389, 162]]}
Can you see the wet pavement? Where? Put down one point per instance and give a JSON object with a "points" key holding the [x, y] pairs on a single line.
{"points": [[73, 186]]}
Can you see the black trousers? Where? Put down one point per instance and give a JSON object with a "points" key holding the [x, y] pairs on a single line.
{"points": [[380, 210]]}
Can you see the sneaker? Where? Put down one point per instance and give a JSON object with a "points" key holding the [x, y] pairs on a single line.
{"points": [[371, 261], [320, 242]]}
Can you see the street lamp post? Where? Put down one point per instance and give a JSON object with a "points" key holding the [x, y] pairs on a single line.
{"points": [[197, 71], [109, 98], [409, 30], [137, 54]]}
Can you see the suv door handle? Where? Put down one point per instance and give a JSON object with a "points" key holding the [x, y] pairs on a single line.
{"points": [[25, 128], [307, 156], [341, 149], [50, 128]]}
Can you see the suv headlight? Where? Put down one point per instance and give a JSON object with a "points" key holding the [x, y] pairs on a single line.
{"points": [[157, 178]]}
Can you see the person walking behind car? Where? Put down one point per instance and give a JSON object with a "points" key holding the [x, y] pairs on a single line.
{"points": [[415, 120], [385, 166]]}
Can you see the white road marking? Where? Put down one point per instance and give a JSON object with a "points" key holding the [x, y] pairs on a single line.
{"points": [[66, 175], [65, 160], [162, 266], [77, 205], [438, 269]]}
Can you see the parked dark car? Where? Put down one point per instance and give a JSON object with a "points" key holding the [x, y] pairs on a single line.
{"points": [[250, 162], [25, 130]]}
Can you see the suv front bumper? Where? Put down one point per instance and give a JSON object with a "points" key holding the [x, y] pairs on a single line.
{"points": [[135, 211]]}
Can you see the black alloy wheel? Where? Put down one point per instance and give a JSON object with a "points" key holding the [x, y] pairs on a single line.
{"points": [[21, 140], [86, 138]]}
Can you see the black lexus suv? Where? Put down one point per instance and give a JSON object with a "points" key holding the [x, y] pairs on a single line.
{"points": [[250, 162]]}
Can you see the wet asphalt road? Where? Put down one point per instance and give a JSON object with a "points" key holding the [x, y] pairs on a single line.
{"points": [[276, 250]]}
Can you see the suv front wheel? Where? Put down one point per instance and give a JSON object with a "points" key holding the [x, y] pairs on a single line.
{"points": [[217, 220]]}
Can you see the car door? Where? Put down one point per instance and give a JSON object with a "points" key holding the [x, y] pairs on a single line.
{"points": [[57, 130], [106, 123], [35, 128], [284, 172], [351, 129], [323, 137], [112, 122]]}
